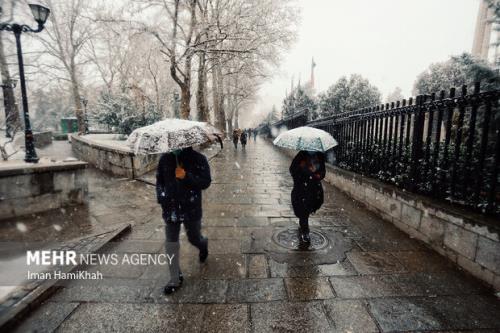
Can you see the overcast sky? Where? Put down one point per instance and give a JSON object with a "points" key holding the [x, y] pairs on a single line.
{"points": [[387, 41]]}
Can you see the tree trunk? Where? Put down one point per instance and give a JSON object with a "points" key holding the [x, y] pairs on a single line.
{"points": [[80, 117], [9, 100], [186, 90], [236, 118], [201, 95], [218, 100]]}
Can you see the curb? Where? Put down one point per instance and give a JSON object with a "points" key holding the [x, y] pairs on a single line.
{"points": [[18, 311]]}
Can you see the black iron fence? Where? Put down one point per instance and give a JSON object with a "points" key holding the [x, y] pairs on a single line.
{"points": [[445, 146]]}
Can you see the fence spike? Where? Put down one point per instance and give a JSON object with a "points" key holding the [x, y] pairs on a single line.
{"points": [[410, 101], [441, 94], [477, 87], [452, 92], [404, 102], [464, 90]]}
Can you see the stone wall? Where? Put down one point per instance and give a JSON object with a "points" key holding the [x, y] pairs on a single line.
{"points": [[42, 139], [470, 240], [32, 188], [120, 161]]}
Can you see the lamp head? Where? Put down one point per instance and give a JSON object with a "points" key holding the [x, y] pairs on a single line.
{"points": [[40, 13]]}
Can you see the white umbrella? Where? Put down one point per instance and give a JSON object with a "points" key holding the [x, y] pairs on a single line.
{"points": [[170, 134], [306, 138]]}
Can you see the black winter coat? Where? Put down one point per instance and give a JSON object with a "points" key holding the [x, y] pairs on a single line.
{"points": [[243, 138], [181, 198], [307, 170]]}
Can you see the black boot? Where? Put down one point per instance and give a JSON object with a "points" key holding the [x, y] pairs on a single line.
{"points": [[176, 278], [304, 238], [171, 287], [204, 250]]}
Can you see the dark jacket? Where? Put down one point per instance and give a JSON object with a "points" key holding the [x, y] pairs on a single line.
{"points": [[307, 193], [243, 138], [181, 198]]}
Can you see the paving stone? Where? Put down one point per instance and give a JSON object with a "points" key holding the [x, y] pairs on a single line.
{"points": [[423, 261], [375, 262], [289, 317], [303, 289], [226, 318], [47, 317], [350, 316], [108, 317], [134, 246], [288, 270], [222, 232], [256, 290], [106, 290], [438, 283], [365, 286], [443, 313], [192, 291], [257, 266], [224, 266]]}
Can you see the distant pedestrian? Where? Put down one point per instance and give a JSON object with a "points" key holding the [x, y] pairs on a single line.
{"points": [[307, 170], [236, 138], [255, 135], [180, 178], [243, 139]]}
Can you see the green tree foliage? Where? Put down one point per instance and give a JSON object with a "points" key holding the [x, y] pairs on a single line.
{"points": [[297, 101], [396, 95], [273, 116], [122, 115], [455, 72], [348, 94]]}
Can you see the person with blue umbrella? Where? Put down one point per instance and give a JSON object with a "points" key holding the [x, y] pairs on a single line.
{"points": [[307, 170]]}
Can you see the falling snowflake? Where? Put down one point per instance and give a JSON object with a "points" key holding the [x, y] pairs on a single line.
{"points": [[21, 227], [57, 227], [237, 165]]}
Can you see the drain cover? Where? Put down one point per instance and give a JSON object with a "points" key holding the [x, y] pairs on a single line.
{"points": [[289, 239]]}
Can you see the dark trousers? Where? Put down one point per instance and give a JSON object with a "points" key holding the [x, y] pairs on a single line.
{"points": [[304, 223], [193, 232]]}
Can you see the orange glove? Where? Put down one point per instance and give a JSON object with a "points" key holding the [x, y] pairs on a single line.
{"points": [[180, 173]]}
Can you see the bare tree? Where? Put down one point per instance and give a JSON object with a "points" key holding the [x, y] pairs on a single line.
{"points": [[67, 33], [15, 127], [9, 100]]}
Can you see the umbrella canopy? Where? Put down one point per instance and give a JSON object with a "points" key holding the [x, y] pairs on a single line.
{"points": [[306, 138], [170, 134]]}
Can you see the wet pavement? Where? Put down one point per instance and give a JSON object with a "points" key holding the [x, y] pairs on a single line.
{"points": [[368, 277]]}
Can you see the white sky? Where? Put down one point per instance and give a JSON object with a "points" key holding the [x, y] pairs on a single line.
{"points": [[387, 41]]}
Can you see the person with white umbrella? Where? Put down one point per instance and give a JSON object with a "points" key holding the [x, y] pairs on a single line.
{"points": [[307, 170], [181, 175]]}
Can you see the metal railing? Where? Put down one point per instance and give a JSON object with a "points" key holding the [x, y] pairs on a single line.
{"points": [[445, 146]]}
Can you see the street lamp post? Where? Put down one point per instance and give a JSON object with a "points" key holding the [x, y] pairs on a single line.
{"points": [[40, 14]]}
